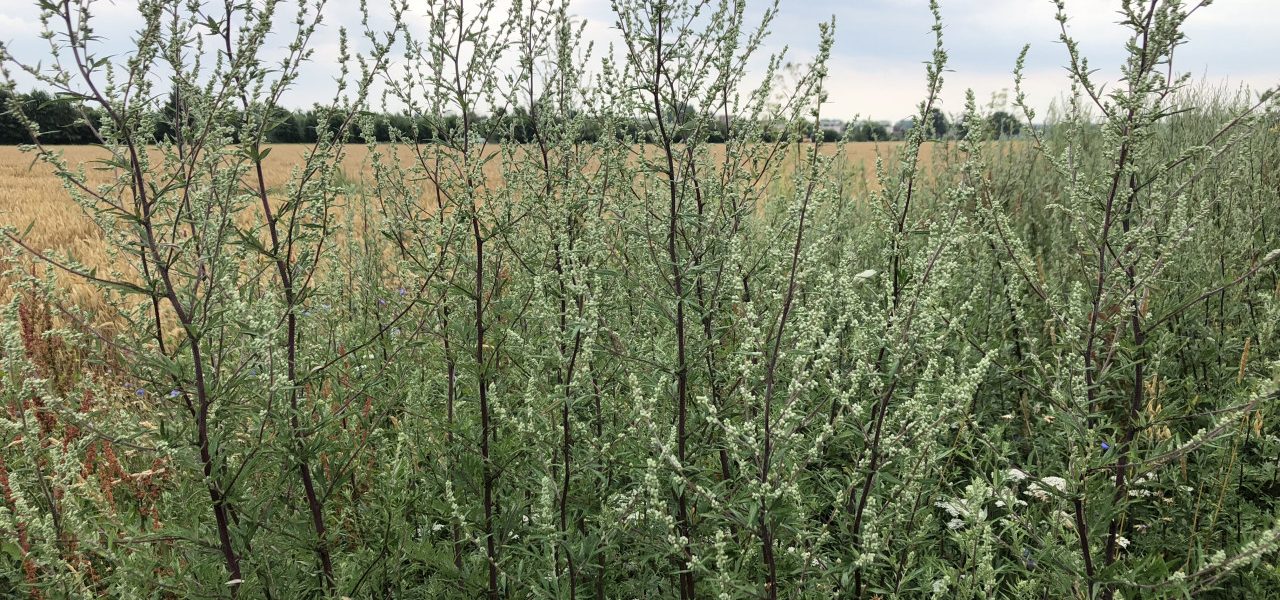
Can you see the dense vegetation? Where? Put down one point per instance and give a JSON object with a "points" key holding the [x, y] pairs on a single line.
{"points": [[615, 369]]}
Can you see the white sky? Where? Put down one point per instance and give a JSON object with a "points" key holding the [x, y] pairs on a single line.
{"points": [[877, 63]]}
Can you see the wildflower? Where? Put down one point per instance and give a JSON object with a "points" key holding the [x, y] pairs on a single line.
{"points": [[140, 392], [1040, 492], [1017, 474], [1105, 446], [174, 393], [954, 509]]}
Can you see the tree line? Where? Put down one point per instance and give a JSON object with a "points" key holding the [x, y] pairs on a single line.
{"points": [[63, 120]]}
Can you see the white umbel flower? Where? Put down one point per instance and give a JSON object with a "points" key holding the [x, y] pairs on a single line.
{"points": [[1040, 492]]}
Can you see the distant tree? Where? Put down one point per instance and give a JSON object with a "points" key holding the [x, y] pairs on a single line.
{"points": [[590, 132], [309, 122], [167, 124], [286, 128], [399, 126], [11, 129], [901, 128], [719, 132], [333, 123], [633, 130], [681, 120], [381, 128], [60, 120], [516, 126], [867, 131], [938, 123], [524, 127], [1004, 124]]}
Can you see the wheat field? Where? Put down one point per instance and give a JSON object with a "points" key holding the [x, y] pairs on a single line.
{"points": [[33, 201]]}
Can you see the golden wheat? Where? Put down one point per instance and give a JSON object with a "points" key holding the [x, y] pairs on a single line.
{"points": [[33, 200]]}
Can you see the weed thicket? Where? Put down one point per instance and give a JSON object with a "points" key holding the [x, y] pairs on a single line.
{"points": [[645, 365]]}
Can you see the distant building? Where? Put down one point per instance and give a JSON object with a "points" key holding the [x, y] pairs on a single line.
{"points": [[836, 125]]}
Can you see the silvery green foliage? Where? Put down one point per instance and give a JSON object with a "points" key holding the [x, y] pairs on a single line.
{"points": [[614, 322], [218, 352]]}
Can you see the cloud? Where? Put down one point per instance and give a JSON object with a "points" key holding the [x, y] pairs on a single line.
{"points": [[16, 23], [877, 63]]}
